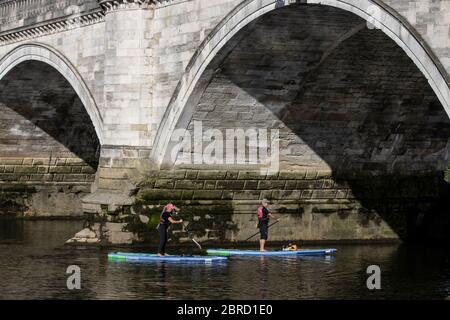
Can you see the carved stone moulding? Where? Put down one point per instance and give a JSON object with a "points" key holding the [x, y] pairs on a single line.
{"points": [[112, 5], [63, 24]]}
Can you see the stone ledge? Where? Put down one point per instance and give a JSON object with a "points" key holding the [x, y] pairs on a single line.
{"points": [[42, 29], [309, 176], [113, 199], [100, 233]]}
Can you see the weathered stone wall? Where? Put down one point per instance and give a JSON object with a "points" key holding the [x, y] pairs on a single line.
{"points": [[173, 53], [49, 149], [431, 20], [24, 13], [178, 30], [174, 30], [222, 205], [128, 76], [83, 47], [347, 101], [42, 116], [345, 98]]}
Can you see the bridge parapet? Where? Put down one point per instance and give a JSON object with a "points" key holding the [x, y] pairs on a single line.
{"points": [[24, 13]]}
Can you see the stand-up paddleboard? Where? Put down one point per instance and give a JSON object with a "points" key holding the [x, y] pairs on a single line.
{"points": [[302, 252], [128, 256]]}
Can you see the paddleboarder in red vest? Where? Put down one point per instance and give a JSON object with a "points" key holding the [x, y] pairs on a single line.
{"points": [[165, 220], [264, 216]]}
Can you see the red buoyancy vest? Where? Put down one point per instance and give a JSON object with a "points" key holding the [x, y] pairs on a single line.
{"points": [[260, 213]]}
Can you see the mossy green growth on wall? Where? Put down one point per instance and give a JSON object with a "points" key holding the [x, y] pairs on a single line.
{"points": [[207, 219], [220, 205], [146, 231], [447, 174]]}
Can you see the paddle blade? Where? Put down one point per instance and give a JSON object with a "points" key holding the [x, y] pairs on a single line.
{"points": [[198, 244]]}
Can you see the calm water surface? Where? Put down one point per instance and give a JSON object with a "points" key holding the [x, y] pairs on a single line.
{"points": [[33, 263]]}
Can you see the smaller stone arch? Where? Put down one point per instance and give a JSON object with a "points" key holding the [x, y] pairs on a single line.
{"points": [[46, 54], [385, 19]]}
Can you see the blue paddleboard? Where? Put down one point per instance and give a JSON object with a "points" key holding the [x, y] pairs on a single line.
{"points": [[302, 252], [128, 256]]}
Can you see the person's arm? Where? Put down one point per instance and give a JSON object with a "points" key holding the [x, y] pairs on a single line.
{"points": [[272, 216], [175, 221]]}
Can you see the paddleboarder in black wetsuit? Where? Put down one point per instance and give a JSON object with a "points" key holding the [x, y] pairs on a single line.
{"points": [[264, 216], [165, 220]]}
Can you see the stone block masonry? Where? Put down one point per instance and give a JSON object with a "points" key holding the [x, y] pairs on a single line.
{"points": [[312, 204], [91, 92], [159, 47], [49, 149], [42, 187], [357, 114], [42, 170]]}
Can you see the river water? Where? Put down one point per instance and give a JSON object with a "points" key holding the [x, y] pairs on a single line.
{"points": [[33, 264]]}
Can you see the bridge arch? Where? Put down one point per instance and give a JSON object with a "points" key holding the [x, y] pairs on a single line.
{"points": [[46, 54], [381, 16]]}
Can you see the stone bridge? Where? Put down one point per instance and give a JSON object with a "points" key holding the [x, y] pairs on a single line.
{"points": [[91, 93]]}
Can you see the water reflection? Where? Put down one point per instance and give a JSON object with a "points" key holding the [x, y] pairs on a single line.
{"points": [[34, 261], [11, 230]]}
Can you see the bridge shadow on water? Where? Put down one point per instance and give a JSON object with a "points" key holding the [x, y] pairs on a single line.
{"points": [[346, 98], [42, 116]]}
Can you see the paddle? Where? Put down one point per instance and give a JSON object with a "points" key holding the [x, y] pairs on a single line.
{"points": [[190, 234], [192, 238], [145, 219], [258, 231]]}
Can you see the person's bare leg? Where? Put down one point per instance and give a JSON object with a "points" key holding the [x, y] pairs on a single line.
{"points": [[262, 243]]}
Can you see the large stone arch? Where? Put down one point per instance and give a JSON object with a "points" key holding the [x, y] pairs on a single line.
{"points": [[46, 54], [382, 17]]}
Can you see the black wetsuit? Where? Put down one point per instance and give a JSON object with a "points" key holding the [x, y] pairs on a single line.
{"points": [[264, 224], [163, 225]]}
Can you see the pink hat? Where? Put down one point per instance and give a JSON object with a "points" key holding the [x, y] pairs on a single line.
{"points": [[169, 206]]}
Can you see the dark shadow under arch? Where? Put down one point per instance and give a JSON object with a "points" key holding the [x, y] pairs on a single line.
{"points": [[42, 116]]}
